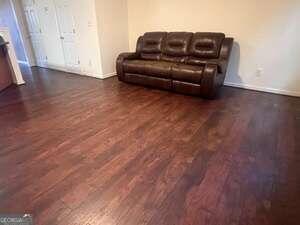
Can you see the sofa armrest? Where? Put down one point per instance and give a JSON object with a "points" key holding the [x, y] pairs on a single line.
{"points": [[210, 81], [220, 63], [225, 54], [120, 60]]}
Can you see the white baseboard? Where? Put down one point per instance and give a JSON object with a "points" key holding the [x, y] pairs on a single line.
{"points": [[21, 82], [108, 75], [263, 89], [95, 75], [23, 62], [54, 67], [89, 74]]}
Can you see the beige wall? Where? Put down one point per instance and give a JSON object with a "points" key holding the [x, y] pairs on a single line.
{"points": [[113, 32], [267, 35]]}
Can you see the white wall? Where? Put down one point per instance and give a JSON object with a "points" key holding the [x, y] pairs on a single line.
{"points": [[113, 32], [267, 35]]}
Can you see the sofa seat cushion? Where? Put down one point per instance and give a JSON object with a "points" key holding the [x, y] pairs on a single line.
{"points": [[187, 73], [134, 66], [147, 67]]}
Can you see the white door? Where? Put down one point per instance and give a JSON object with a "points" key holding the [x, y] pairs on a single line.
{"points": [[49, 25], [35, 32], [68, 34]]}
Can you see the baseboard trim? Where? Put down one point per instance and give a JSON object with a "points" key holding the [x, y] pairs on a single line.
{"points": [[23, 62], [22, 82], [93, 75], [53, 67], [81, 73], [108, 75], [263, 89]]}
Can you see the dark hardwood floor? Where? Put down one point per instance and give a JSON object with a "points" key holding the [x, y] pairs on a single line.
{"points": [[79, 151]]}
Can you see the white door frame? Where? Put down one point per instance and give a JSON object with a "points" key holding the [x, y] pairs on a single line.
{"points": [[17, 75], [24, 35]]}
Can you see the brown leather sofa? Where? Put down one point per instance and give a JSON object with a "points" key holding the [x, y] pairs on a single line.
{"points": [[188, 63]]}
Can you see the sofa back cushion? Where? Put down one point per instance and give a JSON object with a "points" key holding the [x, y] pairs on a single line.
{"points": [[206, 45], [151, 46], [176, 46]]}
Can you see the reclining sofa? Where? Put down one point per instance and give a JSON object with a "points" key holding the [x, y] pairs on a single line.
{"points": [[184, 62]]}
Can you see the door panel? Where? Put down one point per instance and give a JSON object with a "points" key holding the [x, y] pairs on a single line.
{"points": [[39, 51], [27, 3], [67, 29], [35, 33], [51, 35]]}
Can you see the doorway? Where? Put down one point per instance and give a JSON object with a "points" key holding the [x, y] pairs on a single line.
{"points": [[60, 35], [8, 20], [52, 32]]}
